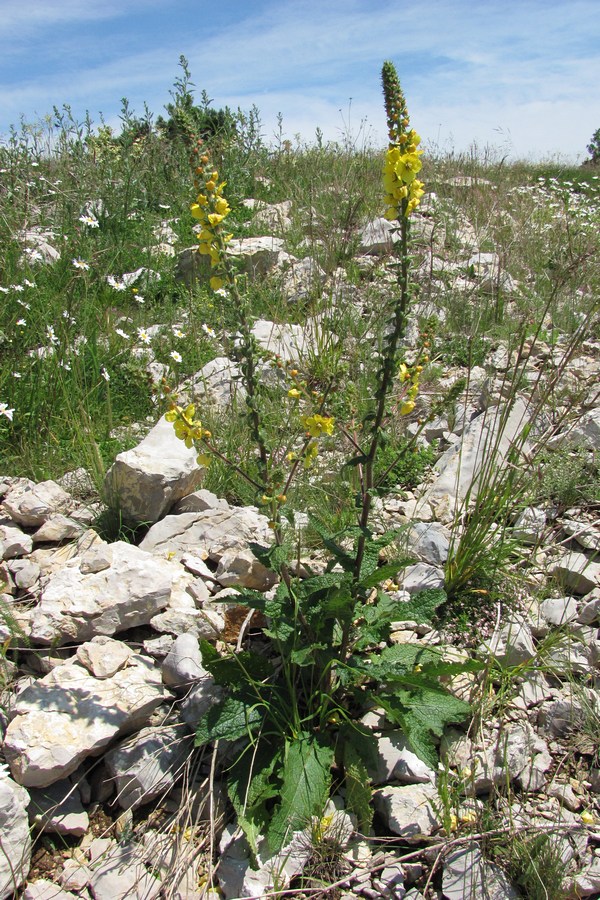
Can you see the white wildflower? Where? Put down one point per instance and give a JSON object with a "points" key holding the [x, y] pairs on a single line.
{"points": [[178, 332], [176, 356], [104, 374], [121, 333], [90, 221], [80, 264], [5, 411], [21, 322], [143, 336], [208, 330], [116, 283]]}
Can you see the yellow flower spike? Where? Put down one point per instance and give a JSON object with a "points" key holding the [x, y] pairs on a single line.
{"points": [[403, 372], [407, 407], [211, 185], [215, 218]]}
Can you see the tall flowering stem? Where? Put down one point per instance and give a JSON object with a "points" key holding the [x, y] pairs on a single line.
{"points": [[403, 192], [211, 209]]}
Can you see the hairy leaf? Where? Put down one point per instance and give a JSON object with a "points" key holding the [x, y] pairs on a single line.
{"points": [[423, 714], [231, 719], [421, 607], [389, 570], [358, 788], [251, 782], [305, 788]]}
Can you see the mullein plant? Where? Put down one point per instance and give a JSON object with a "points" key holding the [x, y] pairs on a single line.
{"points": [[290, 716]]}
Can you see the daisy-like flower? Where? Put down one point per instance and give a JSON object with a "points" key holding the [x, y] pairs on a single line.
{"points": [[139, 299], [175, 356], [5, 290], [17, 287], [51, 335], [5, 411], [23, 304], [143, 336], [221, 292], [33, 254], [121, 333], [116, 283], [178, 332], [28, 283], [17, 375], [81, 264], [21, 322], [90, 221], [208, 330], [104, 374]]}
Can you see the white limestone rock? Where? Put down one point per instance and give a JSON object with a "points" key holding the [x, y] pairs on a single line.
{"points": [[121, 874], [15, 842], [459, 469], [378, 237], [76, 606], [145, 766], [408, 810], [183, 663], [208, 534], [14, 543], [576, 572], [468, 874], [258, 256], [143, 483], [103, 657], [58, 809], [31, 507], [69, 715]]}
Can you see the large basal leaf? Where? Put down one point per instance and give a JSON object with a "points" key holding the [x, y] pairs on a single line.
{"points": [[251, 782], [389, 570], [305, 788], [231, 719], [358, 788]]}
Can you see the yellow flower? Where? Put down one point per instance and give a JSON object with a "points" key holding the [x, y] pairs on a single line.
{"points": [[294, 393], [186, 428], [406, 407], [317, 425], [211, 185], [216, 283], [222, 206], [215, 218], [403, 372], [203, 459]]}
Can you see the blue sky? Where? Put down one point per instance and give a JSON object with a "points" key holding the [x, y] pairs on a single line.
{"points": [[521, 76]]}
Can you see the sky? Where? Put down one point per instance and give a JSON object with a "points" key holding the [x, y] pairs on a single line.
{"points": [[514, 78]]}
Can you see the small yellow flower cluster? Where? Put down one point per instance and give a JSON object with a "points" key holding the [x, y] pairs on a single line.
{"points": [[188, 429], [409, 376], [211, 208], [399, 177], [402, 162]]}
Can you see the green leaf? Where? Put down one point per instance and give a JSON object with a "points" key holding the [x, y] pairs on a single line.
{"points": [[236, 668], [358, 788], [423, 713], [389, 570], [272, 557], [356, 461], [421, 607], [251, 782], [305, 788], [305, 655], [345, 559], [231, 719]]}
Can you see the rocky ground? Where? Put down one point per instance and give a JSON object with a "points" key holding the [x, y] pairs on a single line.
{"points": [[103, 793]]}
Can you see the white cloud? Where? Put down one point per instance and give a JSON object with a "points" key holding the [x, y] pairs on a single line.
{"points": [[529, 69]]}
